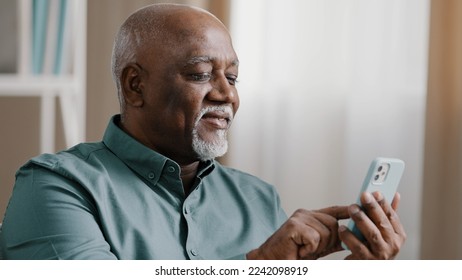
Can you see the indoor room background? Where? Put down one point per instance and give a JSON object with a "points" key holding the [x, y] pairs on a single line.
{"points": [[325, 87]]}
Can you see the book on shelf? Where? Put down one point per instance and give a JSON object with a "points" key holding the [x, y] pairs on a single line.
{"points": [[51, 35], [39, 33], [63, 45]]}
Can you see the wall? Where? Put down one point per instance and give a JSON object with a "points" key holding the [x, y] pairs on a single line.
{"points": [[442, 178], [325, 87]]}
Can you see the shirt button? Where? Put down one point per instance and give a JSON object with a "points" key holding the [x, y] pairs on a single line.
{"points": [[151, 175], [171, 169], [194, 252]]}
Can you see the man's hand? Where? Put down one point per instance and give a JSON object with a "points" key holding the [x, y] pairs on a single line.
{"points": [[379, 224], [305, 235]]}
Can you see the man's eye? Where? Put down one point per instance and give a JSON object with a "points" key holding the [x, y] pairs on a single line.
{"points": [[201, 77], [232, 80]]}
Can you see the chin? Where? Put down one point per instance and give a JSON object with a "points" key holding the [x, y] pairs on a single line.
{"points": [[208, 150]]}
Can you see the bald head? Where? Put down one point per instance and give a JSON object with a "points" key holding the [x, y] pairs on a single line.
{"points": [[153, 25]]}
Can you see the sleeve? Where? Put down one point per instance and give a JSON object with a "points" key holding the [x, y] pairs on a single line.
{"points": [[51, 217]]}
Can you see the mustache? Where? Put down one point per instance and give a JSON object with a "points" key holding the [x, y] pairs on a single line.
{"points": [[224, 110]]}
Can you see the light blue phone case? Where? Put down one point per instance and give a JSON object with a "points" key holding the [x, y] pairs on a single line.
{"points": [[384, 175]]}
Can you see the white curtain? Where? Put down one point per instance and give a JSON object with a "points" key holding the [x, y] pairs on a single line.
{"points": [[325, 87]]}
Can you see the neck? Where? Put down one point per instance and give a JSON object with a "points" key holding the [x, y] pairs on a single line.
{"points": [[188, 171], [188, 174]]}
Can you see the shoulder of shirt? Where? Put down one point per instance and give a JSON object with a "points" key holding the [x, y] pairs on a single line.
{"points": [[235, 173], [80, 153], [252, 186]]}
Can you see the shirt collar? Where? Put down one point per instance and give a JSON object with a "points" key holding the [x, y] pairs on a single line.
{"points": [[146, 162]]}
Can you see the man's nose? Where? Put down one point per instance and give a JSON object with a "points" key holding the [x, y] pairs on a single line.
{"points": [[222, 90]]}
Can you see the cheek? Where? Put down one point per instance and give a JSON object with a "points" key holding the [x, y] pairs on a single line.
{"points": [[188, 108], [183, 101], [192, 97]]}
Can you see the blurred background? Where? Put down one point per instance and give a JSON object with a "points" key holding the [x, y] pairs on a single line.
{"points": [[325, 86]]}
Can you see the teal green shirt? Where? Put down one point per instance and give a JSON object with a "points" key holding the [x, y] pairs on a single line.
{"points": [[118, 199]]}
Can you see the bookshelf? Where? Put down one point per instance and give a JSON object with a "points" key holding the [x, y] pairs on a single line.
{"points": [[52, 67]]}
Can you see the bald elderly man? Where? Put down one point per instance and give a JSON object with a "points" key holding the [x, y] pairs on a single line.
{"points": [[151, 188]]}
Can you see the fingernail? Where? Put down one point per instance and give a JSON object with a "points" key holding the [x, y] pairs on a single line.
{"points": [[368, 197], [353, 209], [341, 228], [378, 196]]}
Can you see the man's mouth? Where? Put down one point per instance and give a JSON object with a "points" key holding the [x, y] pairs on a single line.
{"points": [[217, 119]]}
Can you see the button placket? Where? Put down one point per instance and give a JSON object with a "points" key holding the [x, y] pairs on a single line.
{"points": [[190, 206]]}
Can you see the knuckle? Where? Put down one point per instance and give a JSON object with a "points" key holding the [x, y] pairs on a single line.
{"points": [[335, 208], [292, 223], [315, 237], [385, 225], [382, 255], [358, 215], [360, 251], [393, 217], [381, 202], [374, 238], [371, 206], [300, 212], [395, 248], [312, 243]]}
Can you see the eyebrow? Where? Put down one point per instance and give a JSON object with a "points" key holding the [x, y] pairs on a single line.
{"points": [[205, 59]]}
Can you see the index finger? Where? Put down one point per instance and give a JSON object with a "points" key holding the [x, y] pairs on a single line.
{"points": [[338, 212]]}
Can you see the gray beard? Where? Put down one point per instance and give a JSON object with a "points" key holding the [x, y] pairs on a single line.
{"points": [[209, 150]]}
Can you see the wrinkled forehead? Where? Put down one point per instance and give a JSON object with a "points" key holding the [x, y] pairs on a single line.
{"points": [[184, 25], [184, 33], [169, 22]]}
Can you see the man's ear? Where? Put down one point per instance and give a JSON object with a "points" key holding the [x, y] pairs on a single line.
{"points": [[132, 86]]}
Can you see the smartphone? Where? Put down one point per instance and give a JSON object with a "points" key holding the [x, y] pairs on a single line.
{"points": [[384, 175]]}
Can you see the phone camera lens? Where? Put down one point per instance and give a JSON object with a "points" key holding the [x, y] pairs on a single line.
{"points": [[376, 177], [380, 168]]}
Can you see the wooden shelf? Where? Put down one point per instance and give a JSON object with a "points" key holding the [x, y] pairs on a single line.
{"points": [[69, 89], [15, 85]]}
